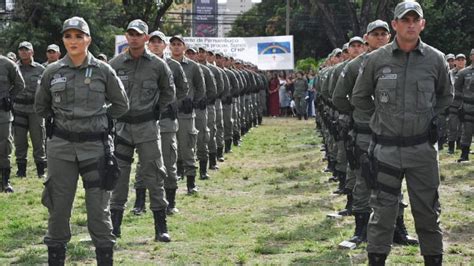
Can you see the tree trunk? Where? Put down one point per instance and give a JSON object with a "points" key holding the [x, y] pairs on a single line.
{"points": [[161, 12]]}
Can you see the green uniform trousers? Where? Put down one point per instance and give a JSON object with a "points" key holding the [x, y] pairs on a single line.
{"points": [[361, 191], [169, 148], [466, 133], [242, 112], [211, 125], [6, 144], [187, 138], [58, 197], [341, 158], [202, 149], [151, 170], [219, 124], [227, 113], [33, 123], [300, 104], [422, 178], [236, 116], [454, 127]]}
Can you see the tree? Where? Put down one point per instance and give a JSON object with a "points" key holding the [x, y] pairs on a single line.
{"points": [[40, 22], [150, 11]]}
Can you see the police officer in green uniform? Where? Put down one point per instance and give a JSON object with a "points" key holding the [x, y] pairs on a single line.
{"points": [[53, 53], [12, 84], [405, 85], [301, 86], [205, 115], [77, 94], [168, 129], [223, 90], [187, 133], [150, 88], [464, 101], [26, 120], [228, 102], [454, 123], [214, 88]]}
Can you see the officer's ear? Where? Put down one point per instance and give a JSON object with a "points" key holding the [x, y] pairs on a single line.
{"points": [[147, 37], [423, 23]]}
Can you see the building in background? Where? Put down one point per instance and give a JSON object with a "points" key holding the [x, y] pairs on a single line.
{"points": [[229, 10]]}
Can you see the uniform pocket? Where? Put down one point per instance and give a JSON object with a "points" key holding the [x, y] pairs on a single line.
{"points": [[46, 197], [193, 138], [59, 95], [425, 93], [96, 94], [386, 95], [148, 91]]}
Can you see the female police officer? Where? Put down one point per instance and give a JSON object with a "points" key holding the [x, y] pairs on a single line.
{"points": [[78, 92]]}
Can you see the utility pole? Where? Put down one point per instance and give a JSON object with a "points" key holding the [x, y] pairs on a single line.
{"points": [[287, 17]]}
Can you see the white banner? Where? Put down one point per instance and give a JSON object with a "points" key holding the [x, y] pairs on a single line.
{"points": [[268, 53]]}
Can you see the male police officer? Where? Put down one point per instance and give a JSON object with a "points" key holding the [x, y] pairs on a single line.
{"points": [[11, 84], [53, 53], [26, 120], [464, 101], [454, 125], [405, 84], [187, 133], [168, 128], [150, 88]]}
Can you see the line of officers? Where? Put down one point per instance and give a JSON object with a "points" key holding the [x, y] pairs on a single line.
{"points": [[381, 108], [96, 115]]}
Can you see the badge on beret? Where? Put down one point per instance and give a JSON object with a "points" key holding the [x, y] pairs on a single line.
{"points": [[56, 76], [386, 70], [384, 97]]}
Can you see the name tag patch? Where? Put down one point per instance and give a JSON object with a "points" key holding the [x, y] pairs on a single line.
{"points": [[58, 80], [389, 76]]}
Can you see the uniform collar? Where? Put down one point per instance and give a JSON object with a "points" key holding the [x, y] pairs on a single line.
{"points": [[32, 63], [146, 54], [420, 47], [90, 60]]}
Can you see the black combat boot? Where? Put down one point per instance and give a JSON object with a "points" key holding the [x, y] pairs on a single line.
{"points": [[191, 184], [348, 209], [56, 256], [243, 131], [203, 170], [334, 177], [220, 154], [305, 116], [360, 232], [40, 166], [377, 259], [171, 198], [464, 154], [235, 140], [104, 256], [116, 217], [161, 229], [139, 207], [6, 187], [21, 172], [260, 119], [400, 235], [213, 161], [451, 147], [228, 146], [330, 167], [299, 116], [342, 183], [441, 142], [433, 260]]}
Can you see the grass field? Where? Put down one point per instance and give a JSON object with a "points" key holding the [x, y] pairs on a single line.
{"points": [[266, 205]]}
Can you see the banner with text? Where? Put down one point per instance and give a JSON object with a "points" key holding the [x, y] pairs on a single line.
{"points": [[268, 53], [205, 18]]}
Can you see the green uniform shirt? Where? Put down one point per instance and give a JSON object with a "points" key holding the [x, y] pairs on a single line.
{"points": [[180, 80], [464, 90], [301, 86], [31, 74], [233, 82], [334, 77], [219, 79], [79, 97], [343, 91], [148, 82], [210, 83], [405, 90], [195, 77], [325, 75], [11, 83]]}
